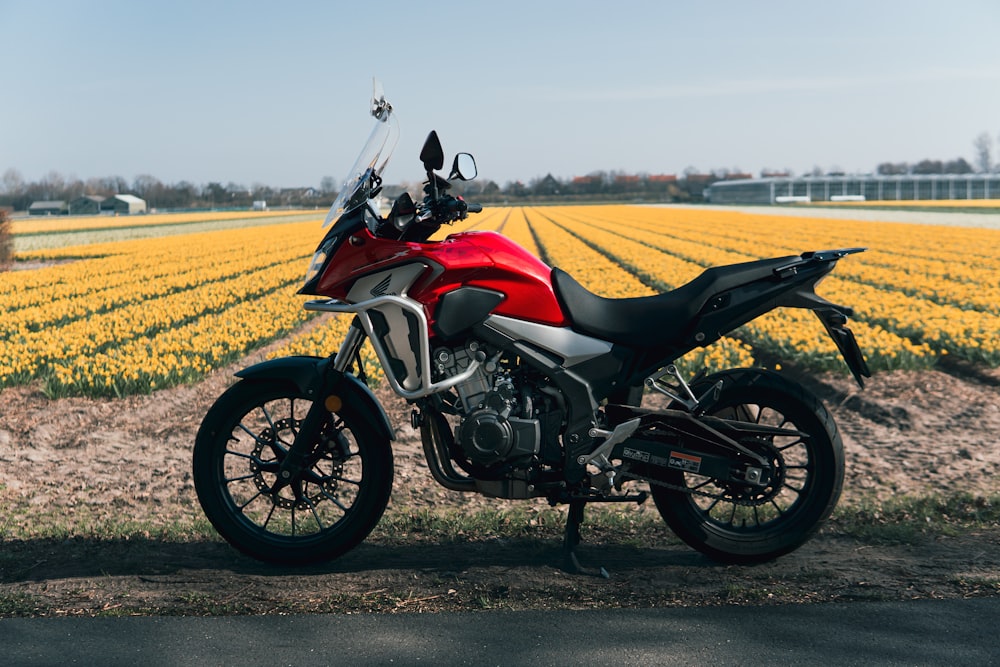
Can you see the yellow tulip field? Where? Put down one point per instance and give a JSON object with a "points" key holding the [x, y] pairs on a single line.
{"points": [[125, 317]]}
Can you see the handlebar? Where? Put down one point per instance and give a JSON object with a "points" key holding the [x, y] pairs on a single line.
{"points": [[447, 209]]}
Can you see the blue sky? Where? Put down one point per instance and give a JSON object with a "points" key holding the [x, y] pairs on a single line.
{"points": [[277, 92]]}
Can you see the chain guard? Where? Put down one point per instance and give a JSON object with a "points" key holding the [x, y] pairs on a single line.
{"points": [[775, 486]]}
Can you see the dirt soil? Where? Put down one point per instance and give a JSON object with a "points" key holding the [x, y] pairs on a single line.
{"points": [[76, 458]]}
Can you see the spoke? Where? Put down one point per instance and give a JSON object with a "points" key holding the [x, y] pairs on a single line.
{"points": [[345, 479], [252, 498], [800, 441], [732, 516], [312, 508], [270, 465], [270, 514], [708, 480], [267, 416], [781, 512], [334, 500], [318, 477], [256, 437], [228, 480], [274, 428]]}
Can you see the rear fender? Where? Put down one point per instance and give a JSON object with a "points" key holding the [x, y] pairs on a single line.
{"points": [[316, 378]]}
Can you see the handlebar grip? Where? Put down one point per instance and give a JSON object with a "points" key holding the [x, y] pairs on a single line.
{"points": [[475, 208]]}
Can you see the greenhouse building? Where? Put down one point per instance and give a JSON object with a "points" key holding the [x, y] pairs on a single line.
{"points": [[854, 188]]}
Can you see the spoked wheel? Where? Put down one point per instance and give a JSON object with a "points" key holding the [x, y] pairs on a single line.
{"points": [[736, 523], [331, 506]]}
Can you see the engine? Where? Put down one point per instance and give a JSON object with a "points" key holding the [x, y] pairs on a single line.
{"points": [[504, 418]]}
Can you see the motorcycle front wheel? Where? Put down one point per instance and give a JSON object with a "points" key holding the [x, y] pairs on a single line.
{"points": [[744, 524], [327, 509]]}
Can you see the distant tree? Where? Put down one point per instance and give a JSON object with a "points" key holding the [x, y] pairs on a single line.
{"points": [[491, 188], [178, 195], [148, 187], [515, 189], [53, 186], [6, 242], [984, 152], [215, 194], [957, 166], [892, 169], [328, 185], [114, 185], [14, 191], [13, 182], [928, 167]]}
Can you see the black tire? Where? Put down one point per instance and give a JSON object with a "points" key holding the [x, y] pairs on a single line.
{"points": [[751, 525], [332, 506]]}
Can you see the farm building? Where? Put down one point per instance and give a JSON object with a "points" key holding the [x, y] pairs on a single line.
{"points": [[48, 208], [124, 205], [86, 205], [855, 188]]}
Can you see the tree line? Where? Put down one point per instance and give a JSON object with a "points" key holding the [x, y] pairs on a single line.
{"points": [[18, 194]]}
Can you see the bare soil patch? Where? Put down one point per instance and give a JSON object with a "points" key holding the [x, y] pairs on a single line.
{"points": [[79, 459]]}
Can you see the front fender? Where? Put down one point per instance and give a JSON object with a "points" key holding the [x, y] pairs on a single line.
{"points": [[315, 377]]}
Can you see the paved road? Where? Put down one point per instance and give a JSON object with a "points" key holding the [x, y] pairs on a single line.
{"points": [[932, 632]]}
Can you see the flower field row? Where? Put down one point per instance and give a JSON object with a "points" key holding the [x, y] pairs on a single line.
{"points": [[133, 316], [911, 306], [788, 334], [52, 224], [137, 315], [604, 275]]}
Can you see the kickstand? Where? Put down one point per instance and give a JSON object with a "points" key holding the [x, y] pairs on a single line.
{"points": [[572, 538]]}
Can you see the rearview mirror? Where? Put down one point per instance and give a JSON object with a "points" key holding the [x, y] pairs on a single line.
{"points": [[432, 155], [464, 167]]}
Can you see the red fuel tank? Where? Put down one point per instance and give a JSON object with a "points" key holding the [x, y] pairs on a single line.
{"points": [[479, 259]]}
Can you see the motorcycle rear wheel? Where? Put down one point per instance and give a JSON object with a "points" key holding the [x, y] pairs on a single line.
{"points": [[325, 511], [744, 525]]}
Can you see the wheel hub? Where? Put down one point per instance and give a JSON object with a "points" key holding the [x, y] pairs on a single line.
{"points": [[309, 487], [747, 494]]}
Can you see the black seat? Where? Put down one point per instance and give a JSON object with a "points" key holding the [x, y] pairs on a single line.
{"points": [[652, 320]]}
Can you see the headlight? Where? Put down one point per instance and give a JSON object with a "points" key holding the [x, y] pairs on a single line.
{"points": [[319, 258], [315, 265]]}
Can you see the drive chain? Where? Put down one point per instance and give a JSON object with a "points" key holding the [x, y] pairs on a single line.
{"points": [[688, 490]]}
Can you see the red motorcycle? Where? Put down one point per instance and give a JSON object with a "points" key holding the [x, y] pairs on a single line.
{"points": [[523, 384]]}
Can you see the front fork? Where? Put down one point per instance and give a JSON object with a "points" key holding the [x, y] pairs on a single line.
{"points": [[350, 349], [309, 430]]}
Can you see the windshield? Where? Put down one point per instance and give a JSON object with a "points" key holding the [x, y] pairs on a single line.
{"points": [[365, 175]]}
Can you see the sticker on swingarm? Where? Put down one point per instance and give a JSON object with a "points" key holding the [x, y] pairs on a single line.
{"points": [[677, 460], [684, 462]]}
